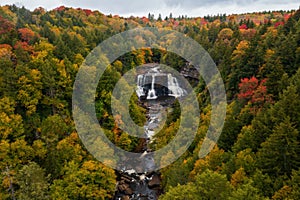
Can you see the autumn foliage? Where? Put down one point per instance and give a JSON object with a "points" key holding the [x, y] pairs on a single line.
{"points": [[23, 45], [253, 91], [247, 88], [5, 25], [26, 34], [243, 27], [278, 24], [256, 156]]}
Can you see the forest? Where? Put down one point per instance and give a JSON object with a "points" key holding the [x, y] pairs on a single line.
{"points": [[42, 156]]}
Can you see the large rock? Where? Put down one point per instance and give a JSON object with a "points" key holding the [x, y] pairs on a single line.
{"points": [[129, 191], [125, 189], [125, 197], [154, 182]]}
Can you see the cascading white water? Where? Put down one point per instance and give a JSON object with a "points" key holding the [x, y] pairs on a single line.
{"points": [[150, 85], [151, 93], [145, 89], [140, 89], [174, 88]]}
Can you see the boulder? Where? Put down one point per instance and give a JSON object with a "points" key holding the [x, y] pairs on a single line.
{"points": [[125, 188], [125, 197], [154, 182]]}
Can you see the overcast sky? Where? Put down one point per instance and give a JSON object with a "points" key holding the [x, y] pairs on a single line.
{"points": [[176, 7]]}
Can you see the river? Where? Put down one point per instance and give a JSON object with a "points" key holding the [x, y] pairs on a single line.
{"points": [[157, 91]]}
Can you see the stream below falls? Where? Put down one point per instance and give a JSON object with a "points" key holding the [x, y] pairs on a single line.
{"points": [[139, 186], [157, 91]]}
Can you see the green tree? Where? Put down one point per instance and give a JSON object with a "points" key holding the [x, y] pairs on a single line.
{"points": [[11, 124], [91, 180], [208, 185], [246, 191], [294, 184], [263, 183], [30, 91], [159, 17], [231, 129], [279, 154], [32, 182]]}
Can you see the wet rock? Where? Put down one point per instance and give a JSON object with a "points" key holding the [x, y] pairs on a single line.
{"points": [[154, 182], [139, 169], [129, 191], [122, 187], [190, 72], [139, 180], [149, 174], [125, 188], [152, 196], [125, 198], [126, 179]]}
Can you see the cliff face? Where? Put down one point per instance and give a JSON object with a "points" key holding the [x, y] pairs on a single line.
{"points": [[158, 83], [190, 72]]}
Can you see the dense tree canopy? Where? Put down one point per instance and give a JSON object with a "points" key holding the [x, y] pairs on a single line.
{"points": [[42, 157]]}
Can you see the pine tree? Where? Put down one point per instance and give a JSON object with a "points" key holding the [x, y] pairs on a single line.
{"points": [[159, 17], [279, 154]]}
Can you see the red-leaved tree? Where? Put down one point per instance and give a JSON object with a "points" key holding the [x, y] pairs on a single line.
{"points": [[5, 25], [26, 34], [254, 92], [247, 87]]}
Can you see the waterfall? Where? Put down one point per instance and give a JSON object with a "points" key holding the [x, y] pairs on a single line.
{"points": [[140, 89], [151, 85], [151, 93], [174, 88], [154, 84]]}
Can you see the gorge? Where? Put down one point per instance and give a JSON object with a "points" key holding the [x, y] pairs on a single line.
{"points": [[157, 90]]}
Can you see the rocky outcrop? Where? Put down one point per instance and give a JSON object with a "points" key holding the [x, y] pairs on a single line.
{"points": [[154, 182], [190, 72]]}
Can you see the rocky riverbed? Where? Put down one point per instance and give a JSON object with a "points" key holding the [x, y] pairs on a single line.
{"points": [[157, 91], [133, 185]]}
